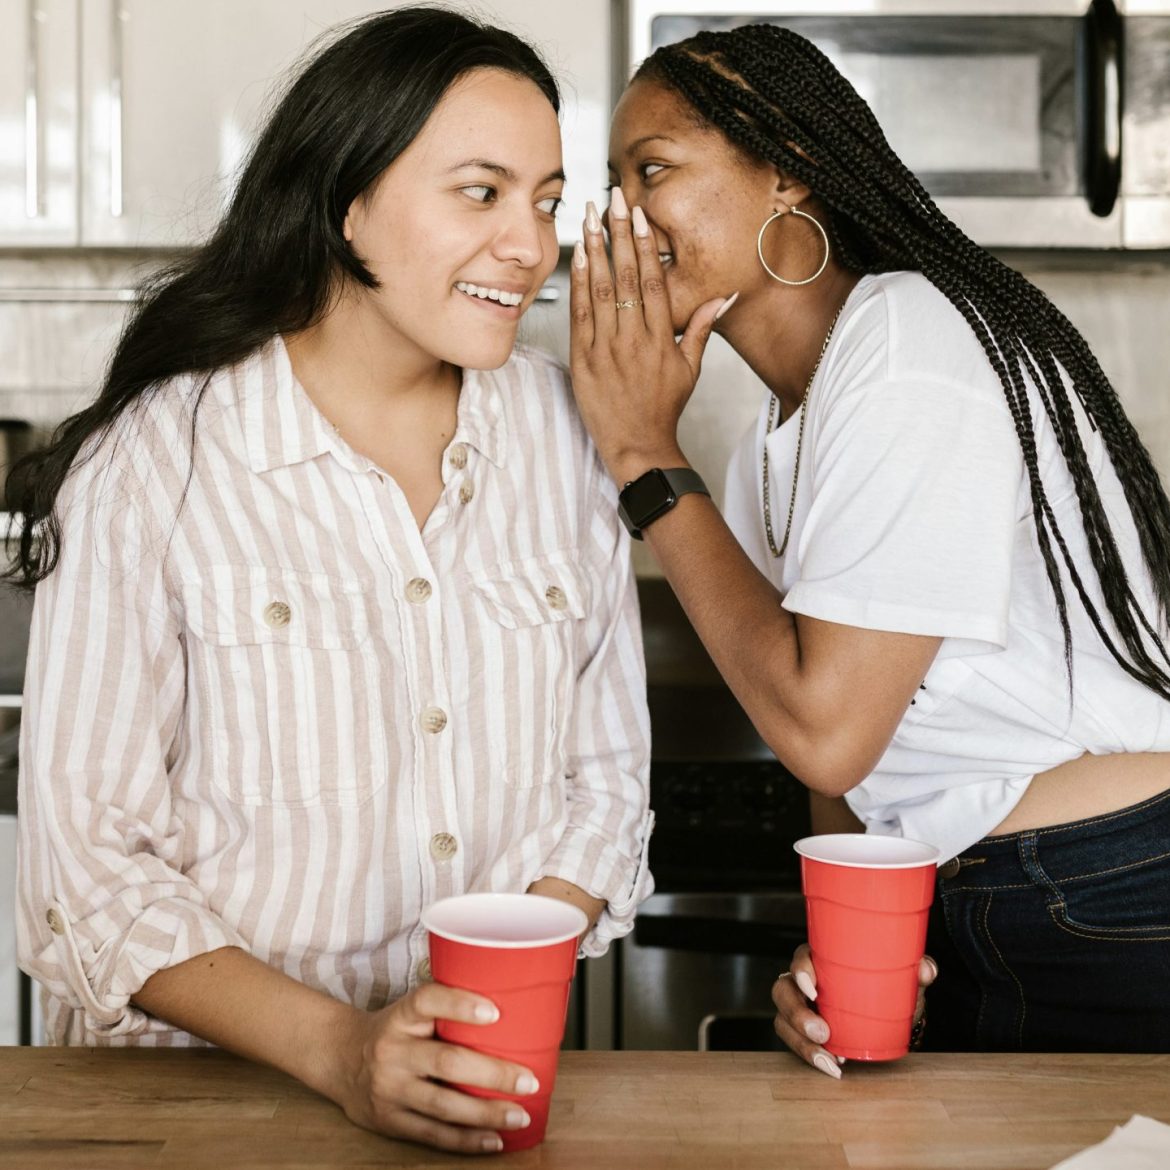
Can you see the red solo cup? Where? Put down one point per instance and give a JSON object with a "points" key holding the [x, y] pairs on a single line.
{"points": [[868, 900], [520, 951]]}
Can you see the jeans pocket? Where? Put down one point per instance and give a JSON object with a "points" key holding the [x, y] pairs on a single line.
{"points": [[1125, 903]]}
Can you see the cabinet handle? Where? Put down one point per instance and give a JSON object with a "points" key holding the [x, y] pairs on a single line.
{"points": [[116, 77], [32, 114]]}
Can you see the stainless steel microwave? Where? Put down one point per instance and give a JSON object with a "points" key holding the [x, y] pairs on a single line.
{"points": [[1033, 123]]}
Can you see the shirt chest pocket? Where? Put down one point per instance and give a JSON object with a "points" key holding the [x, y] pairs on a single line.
{"points": [[283, 687], [528, 666]]}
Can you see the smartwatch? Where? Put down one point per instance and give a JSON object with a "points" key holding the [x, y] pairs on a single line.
{"points": [[645, 499]]}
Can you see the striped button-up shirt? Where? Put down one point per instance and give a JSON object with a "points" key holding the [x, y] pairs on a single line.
{"points": [[264, 709]]}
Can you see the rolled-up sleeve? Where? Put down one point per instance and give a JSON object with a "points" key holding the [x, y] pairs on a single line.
{"points": [[604, 849], [102, 902]]}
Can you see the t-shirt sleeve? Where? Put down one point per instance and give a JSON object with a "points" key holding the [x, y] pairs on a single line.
{"points": [[913, 515]]}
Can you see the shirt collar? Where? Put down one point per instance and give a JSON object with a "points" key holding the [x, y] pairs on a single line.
{"points": [[283, 427], [281, 424], [482, 420]]}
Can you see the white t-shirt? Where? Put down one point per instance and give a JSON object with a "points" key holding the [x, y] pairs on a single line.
{"points": [[913, 514]]}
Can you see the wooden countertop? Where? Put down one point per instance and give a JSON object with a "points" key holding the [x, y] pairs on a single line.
{"points": [[96, 1108]]}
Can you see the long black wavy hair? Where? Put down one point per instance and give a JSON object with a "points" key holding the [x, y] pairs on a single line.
{"points": [[279, 256], [776, 96]]}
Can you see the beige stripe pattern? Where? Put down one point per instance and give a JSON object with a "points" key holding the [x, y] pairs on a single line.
{"points": [[263, 709]]}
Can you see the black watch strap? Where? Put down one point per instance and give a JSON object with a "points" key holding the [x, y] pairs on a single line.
{"points": [[652, 495]]}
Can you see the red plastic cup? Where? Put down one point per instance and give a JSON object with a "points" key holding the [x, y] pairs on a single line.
{"points": [[868, 900], [520, 951]]}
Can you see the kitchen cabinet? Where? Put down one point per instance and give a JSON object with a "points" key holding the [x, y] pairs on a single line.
{"points": [[38, 123], [148, 131]]}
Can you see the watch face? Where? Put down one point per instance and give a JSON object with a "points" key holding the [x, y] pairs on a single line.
{"points": [[647, 498]]}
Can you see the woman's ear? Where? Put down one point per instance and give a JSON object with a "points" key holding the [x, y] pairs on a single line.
{"points": [[347, 225], [788, 190]]}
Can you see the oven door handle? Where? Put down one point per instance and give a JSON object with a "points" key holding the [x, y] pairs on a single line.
{"points": [[1104, 40], [718, 936]]}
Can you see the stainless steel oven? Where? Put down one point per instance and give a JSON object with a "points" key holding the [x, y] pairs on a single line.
{"points": [[15, 1004], [698, 968], [1034, 123]]}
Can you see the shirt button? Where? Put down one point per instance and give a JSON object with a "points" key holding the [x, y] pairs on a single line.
{"points": [[277, 614], [418, 590], [424, 971], [55, 921], [466, 493], [434, 719], [443, 846], [555, 596], [458, 456]]}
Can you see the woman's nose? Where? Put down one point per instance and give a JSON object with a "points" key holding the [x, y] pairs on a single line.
{"points": [[521, 240]]}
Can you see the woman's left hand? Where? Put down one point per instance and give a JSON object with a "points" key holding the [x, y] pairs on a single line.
{"points": [[630, 377]]}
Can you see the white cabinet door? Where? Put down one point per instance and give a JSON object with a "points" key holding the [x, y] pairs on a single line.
{"points": [[173, 92], [38, 123]]}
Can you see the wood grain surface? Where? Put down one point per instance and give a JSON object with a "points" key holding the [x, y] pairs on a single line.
{"points": [[89, 1109]]}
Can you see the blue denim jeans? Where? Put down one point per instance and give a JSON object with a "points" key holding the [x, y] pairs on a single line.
{"points": [[1056, 939]]}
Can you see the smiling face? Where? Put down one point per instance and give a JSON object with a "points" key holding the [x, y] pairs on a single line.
{"points": [[460, 228], [704, 198]]}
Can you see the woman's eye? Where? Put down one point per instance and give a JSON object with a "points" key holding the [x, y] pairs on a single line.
{"points": [[551, 205], [480, 194], [650, 169]]}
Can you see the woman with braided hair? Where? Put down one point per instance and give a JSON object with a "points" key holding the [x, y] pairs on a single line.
{"points": [[941, 589]]}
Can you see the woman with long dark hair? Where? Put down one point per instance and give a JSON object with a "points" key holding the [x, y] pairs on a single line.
{"points": [[334, 615], [941, 591]]}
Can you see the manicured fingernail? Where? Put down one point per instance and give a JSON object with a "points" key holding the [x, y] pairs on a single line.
{"points": [[827, 1065], [517, 1119], [486, 1013], [592, 219], [817, 1030], [802, 980], [578, 255], [526, 1084], [493, 1144], [617, 204], [723, 309], [929, 972], [641, 227]]}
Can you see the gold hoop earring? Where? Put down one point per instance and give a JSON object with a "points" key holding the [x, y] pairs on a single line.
{"points": [[804, 215]]}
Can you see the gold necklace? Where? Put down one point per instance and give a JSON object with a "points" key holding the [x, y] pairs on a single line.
{"points": [[772, 408]]}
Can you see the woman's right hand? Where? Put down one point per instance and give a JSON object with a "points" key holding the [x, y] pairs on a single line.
{"points": [[394, 1069], [801, 1028]]}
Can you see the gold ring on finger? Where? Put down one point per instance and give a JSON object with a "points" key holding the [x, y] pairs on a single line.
{"points": [[785, 975], [627, 304]]}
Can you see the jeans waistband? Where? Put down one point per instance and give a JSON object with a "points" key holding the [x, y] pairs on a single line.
{"points": [[998, 861]]}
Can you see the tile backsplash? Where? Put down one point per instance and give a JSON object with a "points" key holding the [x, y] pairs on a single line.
{"points": [[52, 352]]}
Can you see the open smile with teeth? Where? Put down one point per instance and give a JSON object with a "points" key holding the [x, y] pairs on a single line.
{"points": [[489, 294]]}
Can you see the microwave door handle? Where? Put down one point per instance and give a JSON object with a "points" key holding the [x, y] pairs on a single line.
{"points": [[1104, 32]]}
